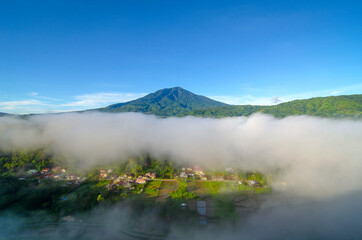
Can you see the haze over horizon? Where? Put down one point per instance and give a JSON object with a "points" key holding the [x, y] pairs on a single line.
{"points": [[66, 56]]}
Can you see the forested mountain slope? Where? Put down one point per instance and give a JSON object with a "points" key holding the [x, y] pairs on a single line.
{"points": [[335, 106], [166, 102]]}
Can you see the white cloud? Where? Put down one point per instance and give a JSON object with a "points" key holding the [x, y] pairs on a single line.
{"points": [[244, 100], [102, 99], [276, 100], [272, 100], [22, 103], [9, 105], [42, 104]]}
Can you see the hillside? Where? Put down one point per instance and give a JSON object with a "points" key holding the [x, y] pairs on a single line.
{"points": [[336, 106], [166, 102], [180, 102]]}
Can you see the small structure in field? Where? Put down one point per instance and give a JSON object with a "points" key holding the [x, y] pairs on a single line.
{"points": [[32, 172], [253, 183]]}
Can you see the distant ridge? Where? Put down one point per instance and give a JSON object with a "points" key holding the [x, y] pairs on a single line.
{"points": [[177, 101], [334, 106], [174, 101]]}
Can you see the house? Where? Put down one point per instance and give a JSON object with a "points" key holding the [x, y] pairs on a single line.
{"points": [[253, 183], [150, 175], [56, 176], [126, 184], [128, 175], [103, 173], [45, 171], [233, 177], [32, 172], [203, 177], [198, 171], [58, 169], [140, 181], [218, 178], [183, 175], [230, 170], [48, 175]]}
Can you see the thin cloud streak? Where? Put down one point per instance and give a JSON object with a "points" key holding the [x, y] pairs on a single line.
{"points": [[101, 99], [249, 99], [44, 104]]}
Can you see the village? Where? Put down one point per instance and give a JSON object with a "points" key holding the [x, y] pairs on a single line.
{"points": [[208, 195], [129, 179]]}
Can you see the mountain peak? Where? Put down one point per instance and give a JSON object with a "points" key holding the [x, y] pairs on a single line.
{"points": [[173, 101]]}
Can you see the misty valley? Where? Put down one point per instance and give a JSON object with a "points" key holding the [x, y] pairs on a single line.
{"points": [[36, 184], [98, 175]]}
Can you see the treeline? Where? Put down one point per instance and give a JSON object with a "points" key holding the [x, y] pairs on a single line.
{"points": [[18, 162], [339, 106], [139, 166], [331, 107]]}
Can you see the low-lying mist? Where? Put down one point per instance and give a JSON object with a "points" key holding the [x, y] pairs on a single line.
{"points": [[314, 156], [319, 160]]}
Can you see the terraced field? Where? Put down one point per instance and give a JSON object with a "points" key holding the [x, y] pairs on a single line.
{"points": [[226, 200], [166, 188], [152, 189]]}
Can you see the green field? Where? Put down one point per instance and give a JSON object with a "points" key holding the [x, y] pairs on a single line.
{"points": [[152, 189], [166, 188]]}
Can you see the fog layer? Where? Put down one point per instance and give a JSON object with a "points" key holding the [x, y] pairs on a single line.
{"points": [[315, 157]]}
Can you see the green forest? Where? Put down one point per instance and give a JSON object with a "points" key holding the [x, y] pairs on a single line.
{"points": [[340, 106], [179, 102]]}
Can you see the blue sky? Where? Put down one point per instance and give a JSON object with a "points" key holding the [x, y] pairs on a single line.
{"points": [[73, 55]]}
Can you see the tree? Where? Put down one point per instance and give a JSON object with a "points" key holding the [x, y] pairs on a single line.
{"points": [[100, 198]]}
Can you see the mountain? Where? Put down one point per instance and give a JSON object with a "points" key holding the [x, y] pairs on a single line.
{"points": [[166, 102], [180, 102], [334, 106]]}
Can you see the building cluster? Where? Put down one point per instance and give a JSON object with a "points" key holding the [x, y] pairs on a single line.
{"points": [[192, 173], [217, 178], [127, 180], [56, 173]]}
